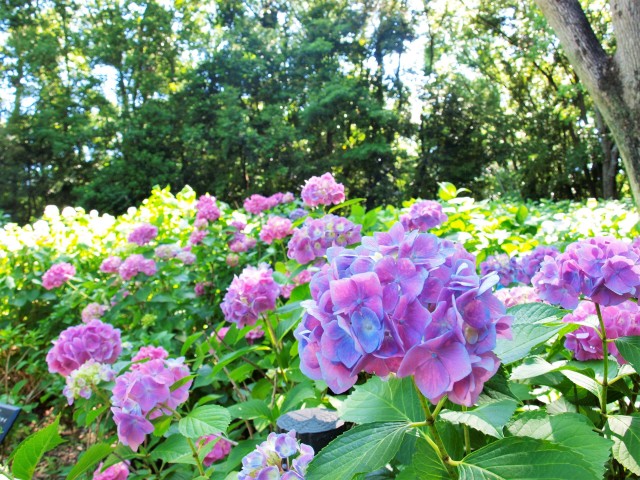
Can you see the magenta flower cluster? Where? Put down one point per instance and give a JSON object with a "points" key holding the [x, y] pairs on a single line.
{"points": [[135, 264], [619, 321], [110, 264], [323, 190], [58, 275], [527, 266], [119, 471], [423, 216], [603, 269], [220, 450], [250, 294], [257, 203], [93, 311], [144, 393], [276, 228], [76, 345], [207, 209], [143, 234], [502, 265], [315, 236], [279, 457], [403, 302]]}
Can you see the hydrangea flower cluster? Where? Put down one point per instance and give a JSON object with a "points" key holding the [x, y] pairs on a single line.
{"points": [[166, 252], [207, 208], [250, 294], [323, 190], [297, 214], [273, 459], [303, 277], [423, 216], [201, 288], [143, 234], [315, 236], [81, 381], [220, 450], [93, 311], [604, 269], [119, 471], [186, 257], [517, 296], [135, 264], [110, 264], [502, 265], [403, 302], [77, 345], [276, 228], [232, 260], [144, 393], [619, 321], [257, 204], [527, 266], [241, 242], [58, 275], [197, 236]]}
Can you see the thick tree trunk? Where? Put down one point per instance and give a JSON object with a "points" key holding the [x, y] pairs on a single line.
{"points": [[612, 82], [609, 159]]}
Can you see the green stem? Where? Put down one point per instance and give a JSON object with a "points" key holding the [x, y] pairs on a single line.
{"points": [[605, 353], [194, 452], [434, 439], [467, 437], [276, 345]]}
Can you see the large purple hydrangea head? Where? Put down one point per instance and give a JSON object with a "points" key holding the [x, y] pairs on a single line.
{"points": [[528, 265], [279, 457], [143, 234], [602, 269], [135, 264], [405, 303], [253, 292], [58, 275], [423, 216], [145, 393], [93, 340], [619, 321], [258, 203], [207, 209], [110, 264], [315, 236], [502, 265], [323, 190]]}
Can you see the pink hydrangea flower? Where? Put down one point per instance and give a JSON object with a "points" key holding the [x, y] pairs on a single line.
{"points": [[165, 252], [232, 260], [257, 204], [250, 294], [207, 208], [150, 352], [220, 450], [201, 288], [93, 311], [135, 264], [276, 228], [241, 242], [58, 275], [197, 236], [110, 264], [119, 471], [423, 216], [323, 190], [254, 334], [186, 257], [94, 340], [143, 234], [517, 296], [315, 236]]}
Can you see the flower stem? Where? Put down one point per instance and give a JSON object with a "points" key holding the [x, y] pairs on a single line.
{"points": [[434, 438], [194, 452], [276, 345], [467, 437], [605, 353]]}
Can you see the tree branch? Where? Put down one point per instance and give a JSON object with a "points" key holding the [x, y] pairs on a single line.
{"points": [[625, 16]]}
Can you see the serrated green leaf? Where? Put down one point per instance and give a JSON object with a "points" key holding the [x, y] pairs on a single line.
{"points": [[571, 430], [425, 465], [629, 348], [250, 410], [31, 450], [204, 420], [362, 449], [533, 324], [488, 418], [89, 459], [394, 400], [524, 458], [583, 381], [174, 449], [625, 433], [296, 396]]}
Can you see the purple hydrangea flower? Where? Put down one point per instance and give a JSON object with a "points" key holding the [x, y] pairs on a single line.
{"points": [[135, 264], [207, 209], [406, 303], [110, 264], [297, 214], [279, 457], [197, 236], [119, 471], [186, 257], [423, 216], [315, 236], [504, 266], [143, 234], [220, 450], [323, 190], [250, 294], [241, 242], [93, 340], [58, 275], [257, 204], [276, 228], [93, 311], [165, 252], [527, 266], [603, 269]]}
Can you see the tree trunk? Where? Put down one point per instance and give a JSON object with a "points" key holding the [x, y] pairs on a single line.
{"points": [[609, 159], [612, 82]]}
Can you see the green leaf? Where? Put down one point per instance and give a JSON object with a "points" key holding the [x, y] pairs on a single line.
{"points": [[533, 324], [583, 381], [629, 348], [89, 459], [348, 203], [250, 410], [394, 400], [93, 414], [522, 214], [447, 191], [364, 448], [532, 367], [571, 430], [204, 420], [625, 433], [174, 449], [488, 418], [31, 450], [296, 396], [524, 458], [425, 465]]}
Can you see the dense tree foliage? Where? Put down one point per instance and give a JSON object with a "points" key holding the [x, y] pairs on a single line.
{"points": [[103, 99]]}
